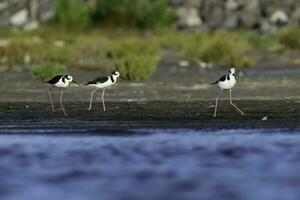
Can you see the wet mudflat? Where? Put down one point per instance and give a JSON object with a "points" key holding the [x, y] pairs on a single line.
{"points": [[125, 116]]}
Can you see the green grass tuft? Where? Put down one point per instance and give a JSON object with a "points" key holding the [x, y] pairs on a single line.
{"points": [[133, 45], [217, 48], [290, 38], [137, 67], [73, 13], [259, 41], [46, 72]]}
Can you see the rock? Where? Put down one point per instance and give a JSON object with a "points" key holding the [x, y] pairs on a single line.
{"points": [[184, 63], [231, 22], [185, 3], [215, 19], [193, 3], [265, 26], [3, 5], [30, 25], [265, 118], [27, 59], [193, 15], [176, 3], [204, 64], [47, 16], [188, 17], [59, 43], [279, 18], [4, 42], [250, 15], [248, 19], [232, 5], [296, 16], [19, 18]]}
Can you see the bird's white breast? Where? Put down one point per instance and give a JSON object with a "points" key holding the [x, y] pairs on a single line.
{"points": [[61, 84], [227, 84], [105, 84]]}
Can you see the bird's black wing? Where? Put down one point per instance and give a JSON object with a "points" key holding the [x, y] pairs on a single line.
{"points": [[55, 79], [222, 79], [97, 80]]}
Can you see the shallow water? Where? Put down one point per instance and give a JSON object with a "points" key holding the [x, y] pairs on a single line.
{"points": [[155, 164]]}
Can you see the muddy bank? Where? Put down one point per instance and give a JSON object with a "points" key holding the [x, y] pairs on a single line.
{"points": [[39, 118]]}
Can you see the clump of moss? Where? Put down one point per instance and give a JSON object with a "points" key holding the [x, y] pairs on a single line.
{"points": [[45, 72], [137, 67]]}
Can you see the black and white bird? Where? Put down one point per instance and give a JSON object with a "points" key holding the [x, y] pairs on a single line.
{"points": [[60, 81], [102, 83], [226, 82]]}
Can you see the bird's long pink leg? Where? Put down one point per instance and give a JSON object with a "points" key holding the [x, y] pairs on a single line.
{"points": [[61, 104], [242, 113], [216, 105], [103, 103], [91, 101], [51, 100]]}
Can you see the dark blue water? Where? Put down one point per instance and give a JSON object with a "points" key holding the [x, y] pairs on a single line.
{"points": [[169, 164]]}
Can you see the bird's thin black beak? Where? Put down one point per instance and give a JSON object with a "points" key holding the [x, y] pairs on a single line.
{"points": [[123, 78], [75, 82]]}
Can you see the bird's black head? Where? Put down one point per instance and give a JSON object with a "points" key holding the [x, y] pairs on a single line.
{"points": [[69, 78], [115, 73], [232, 71]]}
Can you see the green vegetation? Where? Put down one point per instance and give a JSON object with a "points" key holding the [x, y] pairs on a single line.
{"points": [[290, 38], [73, 13], [259, 41], [137, 67], [136, 59], [218, 48], [46, 72], [133, 13], [136, 54], [134, 45], [136, 48]]}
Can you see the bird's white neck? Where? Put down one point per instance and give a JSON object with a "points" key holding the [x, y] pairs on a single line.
{"points": [[113, 78]]}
